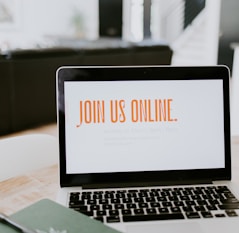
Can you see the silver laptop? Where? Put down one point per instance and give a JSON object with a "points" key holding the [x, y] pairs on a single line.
{"points": [[147, 149]]}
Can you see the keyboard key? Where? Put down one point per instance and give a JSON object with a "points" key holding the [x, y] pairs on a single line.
{"points": [[119, 206], [107, 207], [121, 191], [178, 203], [166, 204], [229, 206], [104, 201], [113, 212], [187, 192], [163, 210], [173, 198], [76, 204], [175, 209], [131, 206], [150, 199], [127, 200], [130, 195], [87, 193], [74, 196], [196, 197], [126, 212], [202, 202], [154, 204], [220, 215], [115, 201], [207, 197], [190, 203], [162, 199], [113, 219], [229, 195], [120, 195], [98, 192], [101, 219], [142, 194], [133, 191], [198, 192], [152, 217], [97, 196], [192, 215], [108, 195], [151, 211], [176, 193], [213, 202], [184, 198], [91, 202], [187, 209], [154, 194], [199, 208], [85, 196], [230, 201], [94, 207], [80, 208], [211, 207], [143, 205], [231, 213], [139, 199], [138, 211], [206, 214], [144, 190], [101, 213]]}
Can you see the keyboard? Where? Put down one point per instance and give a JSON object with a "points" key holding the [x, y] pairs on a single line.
{"points": [[148, 204]]}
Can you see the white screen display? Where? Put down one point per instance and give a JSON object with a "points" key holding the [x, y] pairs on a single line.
{"points": [[123, 126]]}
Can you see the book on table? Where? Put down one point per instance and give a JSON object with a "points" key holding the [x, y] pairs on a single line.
{"points": [[46, 216]]}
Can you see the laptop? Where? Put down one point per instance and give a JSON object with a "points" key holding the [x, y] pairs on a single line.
{"points": [[147, 149]]}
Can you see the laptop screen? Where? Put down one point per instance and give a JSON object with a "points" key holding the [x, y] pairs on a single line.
{"points": [[134, 125]]}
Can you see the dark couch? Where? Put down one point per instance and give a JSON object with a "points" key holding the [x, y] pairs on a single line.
{"points": [[27, 91]]}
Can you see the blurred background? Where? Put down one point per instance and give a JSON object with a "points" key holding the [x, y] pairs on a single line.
{"points": [[197, 32], [31, 23]]}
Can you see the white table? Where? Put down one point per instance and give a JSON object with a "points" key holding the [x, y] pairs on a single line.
{"points": [[21, 191]]}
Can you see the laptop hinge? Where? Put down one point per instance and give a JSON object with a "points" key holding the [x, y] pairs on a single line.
{"points": [[142, 184]]}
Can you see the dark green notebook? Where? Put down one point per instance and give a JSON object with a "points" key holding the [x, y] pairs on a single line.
{"points": [[47, 216]]}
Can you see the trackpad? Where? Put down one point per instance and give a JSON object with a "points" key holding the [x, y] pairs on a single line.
{"points": [[166, 228]]}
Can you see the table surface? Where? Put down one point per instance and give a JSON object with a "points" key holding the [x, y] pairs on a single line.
{"points": [[19, 192]]}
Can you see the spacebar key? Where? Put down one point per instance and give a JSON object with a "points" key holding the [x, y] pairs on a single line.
{"points": [[152, 217]]}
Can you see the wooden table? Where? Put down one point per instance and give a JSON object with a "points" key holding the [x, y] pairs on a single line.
{"points": [[19, 192]]}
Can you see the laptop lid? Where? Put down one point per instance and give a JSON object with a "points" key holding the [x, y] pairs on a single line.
{"points": [[125, 126]]}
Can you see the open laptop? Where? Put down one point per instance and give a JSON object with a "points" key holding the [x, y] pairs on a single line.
{"points": [[147, 149]]}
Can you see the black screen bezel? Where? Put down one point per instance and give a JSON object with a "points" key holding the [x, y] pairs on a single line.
{"points": [[142, 73]]}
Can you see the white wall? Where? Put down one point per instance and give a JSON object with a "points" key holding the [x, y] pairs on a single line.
{"points": [[167, 19], [235, 93], [52, 18]]}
